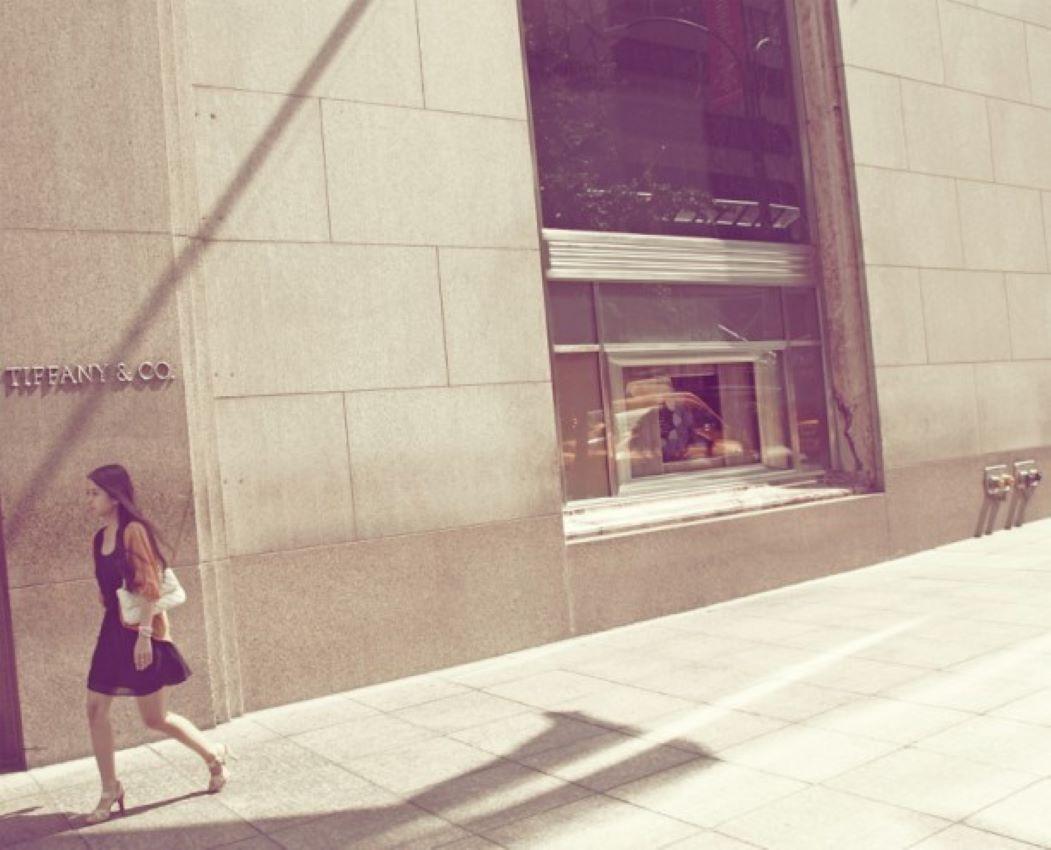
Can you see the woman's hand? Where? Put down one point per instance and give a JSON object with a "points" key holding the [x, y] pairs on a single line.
{"points": [[143, 653]]}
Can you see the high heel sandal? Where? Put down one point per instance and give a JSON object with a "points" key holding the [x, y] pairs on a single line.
{"points": [[104, 809], [217, 768]]}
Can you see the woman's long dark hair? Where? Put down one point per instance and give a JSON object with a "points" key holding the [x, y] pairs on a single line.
{"points": [[115, 481]]}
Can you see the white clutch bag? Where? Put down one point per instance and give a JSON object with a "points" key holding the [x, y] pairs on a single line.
{"points": [[172, 594]]}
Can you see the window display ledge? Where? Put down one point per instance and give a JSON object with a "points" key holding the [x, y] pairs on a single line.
{"points": [[587, 523]]}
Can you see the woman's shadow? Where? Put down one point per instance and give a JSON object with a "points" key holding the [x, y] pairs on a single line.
{"points": [[422, 811]]}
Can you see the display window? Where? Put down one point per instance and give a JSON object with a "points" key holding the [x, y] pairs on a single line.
{"points": [[683, 305], [685, 384]]}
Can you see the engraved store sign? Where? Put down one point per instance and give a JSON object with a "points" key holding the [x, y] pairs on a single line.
{"points": [[77, 374]]}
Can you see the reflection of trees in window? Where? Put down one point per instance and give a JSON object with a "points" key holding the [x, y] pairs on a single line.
{"points": [[665, 116], [661, 312]]}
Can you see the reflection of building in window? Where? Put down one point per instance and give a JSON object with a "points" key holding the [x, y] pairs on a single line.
{"points": [[666, 117], [682, 298]]}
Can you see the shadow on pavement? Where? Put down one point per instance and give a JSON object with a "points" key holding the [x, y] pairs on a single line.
{"points": [[372, 817]]}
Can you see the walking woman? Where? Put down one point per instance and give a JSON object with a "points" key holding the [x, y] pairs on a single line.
{"points": [[139, 660]]}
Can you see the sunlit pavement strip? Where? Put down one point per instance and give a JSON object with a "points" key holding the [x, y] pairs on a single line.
{"points": [[905, 705]]}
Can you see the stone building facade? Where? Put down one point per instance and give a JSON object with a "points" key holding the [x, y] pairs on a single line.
{"points": [[317, 243]]}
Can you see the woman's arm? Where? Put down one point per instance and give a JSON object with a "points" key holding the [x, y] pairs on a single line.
{"points": [[143, 646]]}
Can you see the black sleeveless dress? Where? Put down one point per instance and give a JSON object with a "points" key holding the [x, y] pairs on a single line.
{"points": [[113, 662]]}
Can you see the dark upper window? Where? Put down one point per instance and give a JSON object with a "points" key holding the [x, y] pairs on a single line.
{"points": [[673, 117]]}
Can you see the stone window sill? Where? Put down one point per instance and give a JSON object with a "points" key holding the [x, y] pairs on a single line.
{"points": [[616, 517]]}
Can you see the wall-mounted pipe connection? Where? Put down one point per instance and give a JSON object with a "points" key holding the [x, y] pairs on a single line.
{"points": [[998, 481], [1026, 474]]}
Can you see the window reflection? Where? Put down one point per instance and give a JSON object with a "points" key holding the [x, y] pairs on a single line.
{"points": [[678, 312], [571, 314], [698, 378], [698, 416], [808, 379], [801, 315], [582, 423], [666, 116], [675, 118]]}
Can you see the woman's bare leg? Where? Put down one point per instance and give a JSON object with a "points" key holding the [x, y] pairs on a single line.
{"points": [[155, 714], [102, 737]]}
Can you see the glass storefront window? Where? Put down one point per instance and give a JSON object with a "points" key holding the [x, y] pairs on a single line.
{"points": [[677, 312], [811, 420], [698, 414], [571, 315], [673, 117], [801, 315], [681, 288], [582, 424], [682, 379]]}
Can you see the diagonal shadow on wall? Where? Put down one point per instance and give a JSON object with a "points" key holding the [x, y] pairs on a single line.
{"points": [[165, 287]]}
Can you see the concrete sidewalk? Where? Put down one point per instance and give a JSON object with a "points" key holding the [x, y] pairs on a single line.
{"points": [[903, 705]]}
